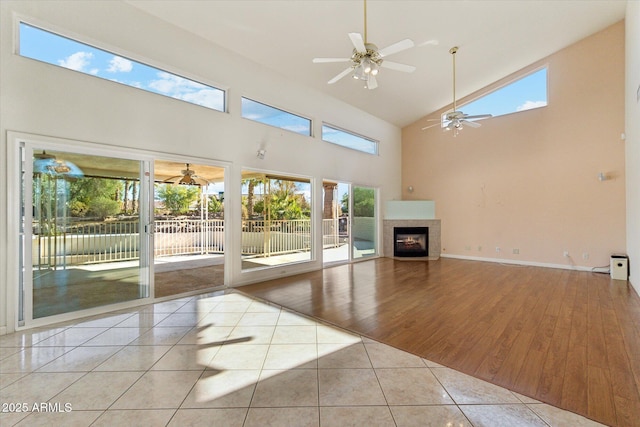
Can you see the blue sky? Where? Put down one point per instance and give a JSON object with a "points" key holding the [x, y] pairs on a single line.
{"points": [[51, 48]]}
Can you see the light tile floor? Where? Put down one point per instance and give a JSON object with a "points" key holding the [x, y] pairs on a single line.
{"points": [[225, 359]]}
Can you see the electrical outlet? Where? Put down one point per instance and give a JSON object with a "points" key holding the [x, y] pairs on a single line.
{"points": [[585, 256], [566, 254], [497, 248], [516, 251]]}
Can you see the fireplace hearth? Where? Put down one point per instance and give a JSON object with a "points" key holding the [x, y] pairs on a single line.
{"points": [[410, 241]]}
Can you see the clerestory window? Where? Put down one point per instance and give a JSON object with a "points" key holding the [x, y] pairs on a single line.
{"points": [[45, 46], [349, 139], [526, 93], [272, 116]]}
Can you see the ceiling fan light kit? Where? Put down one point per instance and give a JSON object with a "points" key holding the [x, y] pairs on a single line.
{"points": [[366, 59]]}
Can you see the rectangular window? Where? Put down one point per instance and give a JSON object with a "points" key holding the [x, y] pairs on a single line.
{"points": [[272, 116], [523, 94], [51, 48], [276, 220], [348, 139]]}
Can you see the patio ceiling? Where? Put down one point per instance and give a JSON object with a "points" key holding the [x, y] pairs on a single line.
{"points": [[111, 167]]}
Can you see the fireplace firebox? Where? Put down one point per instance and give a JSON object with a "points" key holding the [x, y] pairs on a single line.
{"points": [[411, 241]]}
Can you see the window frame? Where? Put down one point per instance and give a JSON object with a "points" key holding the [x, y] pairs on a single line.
{"points": [[116, 52], [376, 143]]}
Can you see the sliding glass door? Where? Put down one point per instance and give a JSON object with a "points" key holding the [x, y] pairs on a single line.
{"points": [[189, 227], [349, 222], [84, 230], [335, 222], [364, 220]]}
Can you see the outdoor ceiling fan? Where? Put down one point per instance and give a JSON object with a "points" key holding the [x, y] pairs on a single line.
{"points": [[44, 163], [366, 59], [457, 119], [187, 177]]}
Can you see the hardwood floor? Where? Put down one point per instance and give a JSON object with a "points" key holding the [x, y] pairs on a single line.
{"points": [[567, 338]]}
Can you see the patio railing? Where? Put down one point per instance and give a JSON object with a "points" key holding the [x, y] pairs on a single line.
{"points": [[265, 238], [119, 240], [188, 237]]}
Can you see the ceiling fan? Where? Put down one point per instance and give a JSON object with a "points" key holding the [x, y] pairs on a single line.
{"points": [[366, 59], [456, 119], [187, 177], [44, 163]]}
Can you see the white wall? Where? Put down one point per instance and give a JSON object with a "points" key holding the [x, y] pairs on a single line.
{"points": [[632, 92], [43, 99]]}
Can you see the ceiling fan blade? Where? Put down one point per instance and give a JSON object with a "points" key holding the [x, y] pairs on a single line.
{"points": [[396, 47], [372, 83], [398, 67], [477, 116], [323, 60], [201, 178], [430, 126], [171, 178], [470, 123], [341, 75], [357, 41]]}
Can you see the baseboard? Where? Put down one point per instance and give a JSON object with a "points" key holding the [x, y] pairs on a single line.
{"points": [[3, 330], [529, 263]]}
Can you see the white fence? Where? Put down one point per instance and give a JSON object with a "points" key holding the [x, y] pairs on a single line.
{"points": [[119, 240], [264, 238], [188, 237]]}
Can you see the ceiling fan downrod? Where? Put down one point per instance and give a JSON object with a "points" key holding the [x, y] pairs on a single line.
{"points": [[453, 51]]}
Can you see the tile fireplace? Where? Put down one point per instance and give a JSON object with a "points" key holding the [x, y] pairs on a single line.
{"points": [[411, 227]]}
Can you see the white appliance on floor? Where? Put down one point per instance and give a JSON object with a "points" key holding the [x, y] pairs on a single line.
{"points": [[619, 267]]}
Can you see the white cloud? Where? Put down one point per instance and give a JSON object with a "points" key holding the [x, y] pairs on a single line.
{"points": [[205, 97], [187, 90], [119, 64], [528, 105], [77, 61], [173, 85]]}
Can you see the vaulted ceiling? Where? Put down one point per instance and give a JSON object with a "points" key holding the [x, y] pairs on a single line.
{"points": [[496, 38]]}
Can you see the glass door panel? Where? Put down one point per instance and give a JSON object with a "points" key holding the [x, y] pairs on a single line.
{"points": [[335, 222], [188, 227], [364, 222], [84, 246]]}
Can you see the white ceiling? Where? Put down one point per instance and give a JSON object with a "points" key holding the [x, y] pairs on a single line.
{"points": [[496, 38]]}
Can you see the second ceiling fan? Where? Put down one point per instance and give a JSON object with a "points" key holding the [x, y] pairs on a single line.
{"points": [[455, 120], [187, 177], [366, 59]]}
